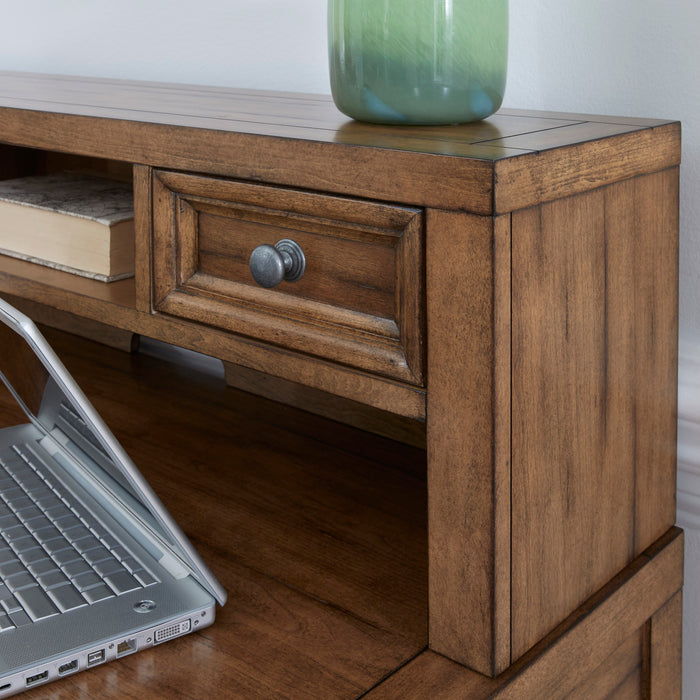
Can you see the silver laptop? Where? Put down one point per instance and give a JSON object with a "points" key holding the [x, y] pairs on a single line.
{"points": [[92, 566]]}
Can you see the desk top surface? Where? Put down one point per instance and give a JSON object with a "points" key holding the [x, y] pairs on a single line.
{"points": [[296, 115], [149, 113]]}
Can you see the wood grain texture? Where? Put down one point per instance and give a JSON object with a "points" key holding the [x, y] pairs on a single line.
{"points": [[594, 161], [469, 503], [665, 650], [322, 550], [142, 240], [656, 352], [578, 652], [594, 338], [303, 141], [620, 676]]}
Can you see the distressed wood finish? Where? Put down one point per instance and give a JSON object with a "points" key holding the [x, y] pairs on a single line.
{"points": [[575, 657], [664, 673], [593, 392], [303, 141], [142, 240], [504, 292], [468, 435]]}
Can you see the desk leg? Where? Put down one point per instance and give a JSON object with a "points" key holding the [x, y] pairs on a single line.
{"points": [[468, 436]]}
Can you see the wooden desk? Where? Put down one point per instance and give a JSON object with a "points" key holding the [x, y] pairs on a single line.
{"points": [[504, 292]]}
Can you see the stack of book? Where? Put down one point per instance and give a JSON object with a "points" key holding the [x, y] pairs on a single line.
{"points": [[73, 222]]}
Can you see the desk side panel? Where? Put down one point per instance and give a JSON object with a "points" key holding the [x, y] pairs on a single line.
{"points": [[594, 362]]}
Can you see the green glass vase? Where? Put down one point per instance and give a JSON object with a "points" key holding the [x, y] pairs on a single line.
{"points": [[418, 61]]}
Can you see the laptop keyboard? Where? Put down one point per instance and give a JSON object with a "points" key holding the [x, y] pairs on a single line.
{"points": [[55, 556]]}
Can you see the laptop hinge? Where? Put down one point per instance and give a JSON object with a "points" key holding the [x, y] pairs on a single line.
{"points": [[49, 445]]}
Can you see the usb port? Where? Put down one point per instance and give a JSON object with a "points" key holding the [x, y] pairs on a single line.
{"points": [[96, 657], [68, 668], [38, 678]]}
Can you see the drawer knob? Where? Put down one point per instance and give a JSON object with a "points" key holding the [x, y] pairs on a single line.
{"points": [[269, 265]]}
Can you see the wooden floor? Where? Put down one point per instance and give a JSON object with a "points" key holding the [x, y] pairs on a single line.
{"points": [[317, 531]]}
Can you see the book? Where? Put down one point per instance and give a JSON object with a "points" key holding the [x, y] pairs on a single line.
{"points": [[73, 222]]}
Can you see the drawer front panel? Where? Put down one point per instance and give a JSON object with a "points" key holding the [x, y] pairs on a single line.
{"points": [[358, 302]]}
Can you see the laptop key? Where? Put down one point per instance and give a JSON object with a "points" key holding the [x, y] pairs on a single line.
{"points": [[58, 544], [42, 566], [6, 554], [108, 566], [97, 554], [16, 533], [11, 567], [6, 623], [23, 544], [52, 579], [20, 618], [28, 513], [10, 604], [86, 580], [75, 568], [37, 523], [19, 581], [109, 541], [64, 556], [18, 502], [73, 534], [50, 503], [98, 593], [36, 603], [32, 555], [86, 543], [8, 521], [67, 598], [46, 533], [145, 578], [122, 582]]}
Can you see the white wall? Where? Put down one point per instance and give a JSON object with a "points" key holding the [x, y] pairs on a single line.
{"points": [[625, 57]]}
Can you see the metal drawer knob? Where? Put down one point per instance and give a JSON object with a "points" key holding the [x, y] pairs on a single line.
{"points": [[269, 265]]}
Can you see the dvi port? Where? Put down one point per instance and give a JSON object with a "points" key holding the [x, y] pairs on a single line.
{"points": [[174, 630]]}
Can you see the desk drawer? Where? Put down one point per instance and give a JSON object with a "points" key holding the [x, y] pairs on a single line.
{"points": [[358, 302]]}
